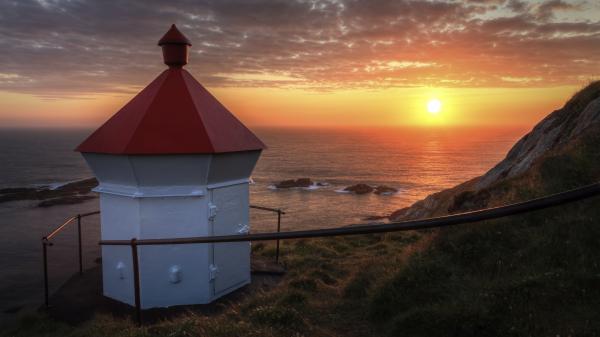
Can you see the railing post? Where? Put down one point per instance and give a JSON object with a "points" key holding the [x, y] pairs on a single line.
{"points": [[278, 230], [136, 282], [79, 241], [45, 259]]}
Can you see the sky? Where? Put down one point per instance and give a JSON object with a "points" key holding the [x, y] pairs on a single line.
{"points": [[303, 63]]}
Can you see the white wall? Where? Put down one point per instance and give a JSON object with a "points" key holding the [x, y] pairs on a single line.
{"points": [[154, 197], [119, 221]]}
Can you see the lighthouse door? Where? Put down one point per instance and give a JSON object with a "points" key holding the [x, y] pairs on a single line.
{"points": [[231, 260]]}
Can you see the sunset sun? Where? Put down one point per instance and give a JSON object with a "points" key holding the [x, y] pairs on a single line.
{"points": [[434, 106]]}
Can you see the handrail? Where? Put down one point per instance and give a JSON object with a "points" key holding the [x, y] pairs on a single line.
{"points": [[83, 215], [59, 228], [275, 210], [68, 221], [46, 242], [89, 213], [442, 221], [279, 213]]}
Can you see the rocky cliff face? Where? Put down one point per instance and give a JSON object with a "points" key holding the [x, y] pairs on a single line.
{"points": [[558, 130], [560, 127]]}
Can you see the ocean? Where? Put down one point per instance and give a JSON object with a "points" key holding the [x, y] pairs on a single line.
{"points": [[415, 161]]}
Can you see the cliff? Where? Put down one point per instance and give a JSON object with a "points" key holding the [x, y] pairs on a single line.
{"points": [[564, 132]]}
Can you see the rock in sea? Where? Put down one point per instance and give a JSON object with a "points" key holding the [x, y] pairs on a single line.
{"points": [[385, 190], [301, 182], [359, 189]]}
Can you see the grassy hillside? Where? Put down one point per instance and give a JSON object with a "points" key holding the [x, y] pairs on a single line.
{"points": [[531, 275]]}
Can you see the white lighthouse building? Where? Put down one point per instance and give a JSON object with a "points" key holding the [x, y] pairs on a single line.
{"points": [[173, 163]]}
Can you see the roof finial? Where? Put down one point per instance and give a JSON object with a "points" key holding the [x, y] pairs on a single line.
{"points": [[175, 48]]}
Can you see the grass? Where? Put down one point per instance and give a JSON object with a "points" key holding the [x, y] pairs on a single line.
{"points": [[536, 275], [323, 293], [528, 275]]}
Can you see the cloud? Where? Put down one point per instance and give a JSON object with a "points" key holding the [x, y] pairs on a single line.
{"points": [[67, 47], [547, 9]]}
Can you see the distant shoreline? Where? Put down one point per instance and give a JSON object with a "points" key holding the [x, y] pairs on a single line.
{"points": [[65, 194]]}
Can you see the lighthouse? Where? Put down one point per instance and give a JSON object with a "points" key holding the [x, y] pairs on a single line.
{"points": [[173, 163]]}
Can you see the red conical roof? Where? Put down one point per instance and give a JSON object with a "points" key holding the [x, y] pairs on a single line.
{"points": [[174, 36], [173, 115]]}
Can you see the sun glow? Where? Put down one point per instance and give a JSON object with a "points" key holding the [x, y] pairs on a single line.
{"points": [[434, 106]]}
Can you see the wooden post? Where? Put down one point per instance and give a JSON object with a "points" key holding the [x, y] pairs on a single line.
{"points": [[79, 241], [45, 258], [278, 230], [136, 282]]}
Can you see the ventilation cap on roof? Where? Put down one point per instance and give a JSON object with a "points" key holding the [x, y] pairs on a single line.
{"points": [[175, 48]]}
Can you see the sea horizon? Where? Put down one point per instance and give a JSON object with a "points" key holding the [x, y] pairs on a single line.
{"points": [[77, 134]]}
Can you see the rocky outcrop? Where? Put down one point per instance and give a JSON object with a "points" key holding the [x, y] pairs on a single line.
{"points": [[558, 128], [71, 193], [66, 200], [469, 200], [291, 183], [433, 204], [375, 217], [365, 189], [385, 190], [359, 189]]}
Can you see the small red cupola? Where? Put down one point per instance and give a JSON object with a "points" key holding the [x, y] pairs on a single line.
{"points": [[173, 115], [175, 48]]}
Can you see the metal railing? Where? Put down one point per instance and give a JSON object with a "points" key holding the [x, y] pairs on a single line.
{"points": [[46, 242], [279, 213], [442, 221]]}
